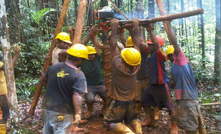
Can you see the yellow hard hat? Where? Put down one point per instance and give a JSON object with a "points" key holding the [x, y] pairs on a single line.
{"points": [[91, 50], [169, 50], [64, 37], [131, 56], [129, 42], [78, 50]]}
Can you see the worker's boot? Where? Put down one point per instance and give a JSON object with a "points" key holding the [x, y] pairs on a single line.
{"points": [[120, 128], [139, 109], [90, 106], [174, 128], [156, 113], [149, 120], [103, 110], [2, 128], [202, 131], [135, 124]]}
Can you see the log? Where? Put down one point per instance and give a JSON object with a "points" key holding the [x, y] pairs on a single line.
{"points": [[9, 71], [210, 104], [80, 22], [48, 61]]}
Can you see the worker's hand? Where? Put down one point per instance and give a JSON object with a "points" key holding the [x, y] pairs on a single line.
{"points": [[93, 30], [135, 22], [121, 30], [77, 119], [149, 27], [47, 56], [16, 49], [114, 23]]}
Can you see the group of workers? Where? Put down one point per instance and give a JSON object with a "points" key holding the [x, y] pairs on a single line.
{"points": [[138, 81]]}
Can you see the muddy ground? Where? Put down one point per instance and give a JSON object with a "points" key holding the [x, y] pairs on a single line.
{"points": [[34, 124]]}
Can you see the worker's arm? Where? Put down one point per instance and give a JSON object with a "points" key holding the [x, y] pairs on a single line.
{"points": [[97, 46], [135, 35], [122, 37], [153, 37], [86, 39], [62, 55], [113, 38], [43, 80], [17, 51], [77, 101], [173, 39], [143, 45]]}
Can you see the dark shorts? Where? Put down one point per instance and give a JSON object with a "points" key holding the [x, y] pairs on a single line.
{"points": [[188, 115], [93, 91], [4, 107], [121, 111], [157, 96]]}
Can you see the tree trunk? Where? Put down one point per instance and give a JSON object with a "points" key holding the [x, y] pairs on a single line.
{"points": [[76, 9], [168, 6], [9, 71], [91, 17], [16, 32], [140, 9], [151, 9], [217, 63], [181, 24], [201, 29]]}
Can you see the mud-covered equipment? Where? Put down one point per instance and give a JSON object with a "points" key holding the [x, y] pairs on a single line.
{"points": [[129, 42], [169, 50], [159, 39], [78, 50], [91, 50], [131, 56], [64, 37]]}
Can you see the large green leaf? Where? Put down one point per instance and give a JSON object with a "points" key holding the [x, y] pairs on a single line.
{"points": [[38, 16]]}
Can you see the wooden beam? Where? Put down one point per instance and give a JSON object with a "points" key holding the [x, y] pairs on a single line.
{"points": [[80, 22]]}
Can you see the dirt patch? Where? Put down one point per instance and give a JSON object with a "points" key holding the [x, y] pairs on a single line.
{"points": [[34, 124]]}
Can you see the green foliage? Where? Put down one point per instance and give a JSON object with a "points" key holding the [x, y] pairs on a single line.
{"points": [[38, 16], [26, 87]]}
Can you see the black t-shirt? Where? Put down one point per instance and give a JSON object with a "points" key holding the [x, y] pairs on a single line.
{"points": [[92, 71], [62, 82]]}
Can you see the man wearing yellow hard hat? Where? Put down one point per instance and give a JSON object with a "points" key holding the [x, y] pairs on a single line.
{"points": [[65, 83], [188, 114], [64, 42], [92, 71], [125, 65]]}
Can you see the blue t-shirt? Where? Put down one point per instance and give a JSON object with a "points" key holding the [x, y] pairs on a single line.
{"points": [[156, 68], [183, 77]]}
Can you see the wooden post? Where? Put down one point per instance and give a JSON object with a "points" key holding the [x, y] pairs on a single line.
{"points": [[48, 61], [163, 13], [9, 70], [80, 22]]}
